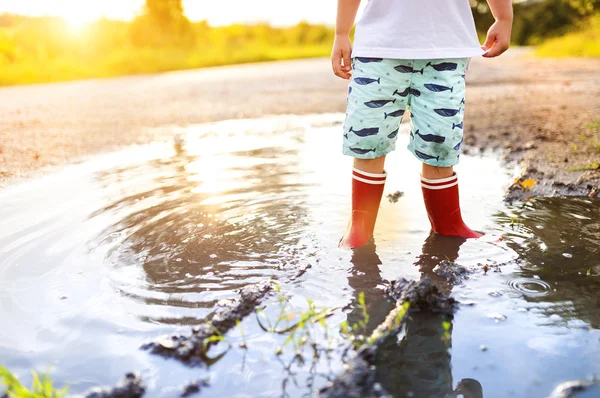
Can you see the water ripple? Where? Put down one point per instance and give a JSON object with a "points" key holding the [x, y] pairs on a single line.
{"points": [[531, 287]]}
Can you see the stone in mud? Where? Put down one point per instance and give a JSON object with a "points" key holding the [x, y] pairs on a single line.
{"points": [[454, 273], [192, 349], [358, 378], [573, 388], [194, 387], [393, 197], [131, 386], [422, 295]]}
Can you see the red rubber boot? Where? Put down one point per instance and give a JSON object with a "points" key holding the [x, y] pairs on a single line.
{"points": [[367, 189], [443, 208]]}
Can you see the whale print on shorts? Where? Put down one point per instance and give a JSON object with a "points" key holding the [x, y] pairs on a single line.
{"points": [[425, 156], [362, 151], [407, 69], [431, 137], [444, 66], [457, 146], [436, 88], [365, 132], [402, 94], [363, 81], [447, 112], [378, 103], [407, 91], [385, 90], [398, 113], [365, 60]]}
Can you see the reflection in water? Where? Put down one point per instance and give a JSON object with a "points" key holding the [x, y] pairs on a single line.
{"points": [[559, 238], [419, 364], [205, 225], [98, 258]]}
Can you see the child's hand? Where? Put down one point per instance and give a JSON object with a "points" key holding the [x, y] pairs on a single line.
{"points": [[498, 38], [340, 56]]}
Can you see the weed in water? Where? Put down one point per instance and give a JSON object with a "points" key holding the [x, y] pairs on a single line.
{"points": [[42, 387], [243, 344], [591, 166], [595, 125]]}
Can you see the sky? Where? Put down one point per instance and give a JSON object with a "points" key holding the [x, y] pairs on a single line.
{"points": [[220, 12]]}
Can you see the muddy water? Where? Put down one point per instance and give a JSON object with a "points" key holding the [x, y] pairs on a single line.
{"points": [[99, 258]]}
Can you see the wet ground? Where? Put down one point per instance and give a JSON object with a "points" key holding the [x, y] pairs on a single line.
{"points": [[541, 114], [113, 253]]}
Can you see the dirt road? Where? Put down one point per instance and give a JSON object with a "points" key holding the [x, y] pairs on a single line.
{"points": [[542, 113]]}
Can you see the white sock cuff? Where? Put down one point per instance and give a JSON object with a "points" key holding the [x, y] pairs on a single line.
{"points": [[439, 181], [364, 173], [368, 178]]}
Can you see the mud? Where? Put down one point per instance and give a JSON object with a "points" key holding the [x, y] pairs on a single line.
{"points": [[357, 380], [193, 349], [394, 197], [194, 387], [540, 114], [422, 295], [131, 386], [454, 273], [358, 377]]}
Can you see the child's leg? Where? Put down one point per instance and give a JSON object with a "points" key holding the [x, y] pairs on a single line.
{"points": [[370, 165], [376, 102], [437, 101], [440, 193], [436, 173], [368, 179]]}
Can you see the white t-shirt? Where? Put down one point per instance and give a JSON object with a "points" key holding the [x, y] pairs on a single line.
{"points": [[416, 29]]}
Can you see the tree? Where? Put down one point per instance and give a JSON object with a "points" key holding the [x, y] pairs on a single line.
{"points": [[162, 23], [536, 20]]}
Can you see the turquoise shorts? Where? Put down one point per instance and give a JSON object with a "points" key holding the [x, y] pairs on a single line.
{"points": [[381, 91]]}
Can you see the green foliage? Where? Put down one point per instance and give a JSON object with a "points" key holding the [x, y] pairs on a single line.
{"points": [[34, 50], [41, 386], [590, 166], [161, 38], [583, 41], [162, 24], [536, 21]]}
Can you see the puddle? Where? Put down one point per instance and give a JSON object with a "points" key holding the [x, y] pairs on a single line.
{"points": [[107, 255]]}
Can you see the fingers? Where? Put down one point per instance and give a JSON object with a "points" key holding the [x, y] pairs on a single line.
{"points": [[498, 48], [347, 62], [489, 43], [340, 69], [336, 64]]}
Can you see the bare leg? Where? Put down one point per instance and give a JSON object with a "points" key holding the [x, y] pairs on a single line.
{"points": [[370, 165], [436, 173]]}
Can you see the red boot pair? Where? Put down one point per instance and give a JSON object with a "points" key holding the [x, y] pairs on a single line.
{"points": [[441, 201]]}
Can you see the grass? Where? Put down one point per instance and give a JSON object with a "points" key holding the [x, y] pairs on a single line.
{"points": [[42, 387], [133, 61], [584, 41], [46, 49], [590, 166]]}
